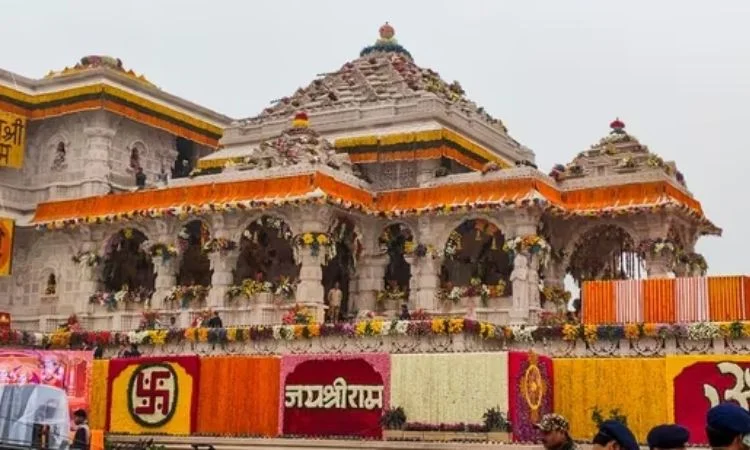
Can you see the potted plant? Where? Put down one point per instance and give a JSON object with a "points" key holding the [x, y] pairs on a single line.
{"points": [[498, 426], [393, 421]]}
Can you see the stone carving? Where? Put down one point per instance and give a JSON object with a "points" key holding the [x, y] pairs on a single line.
{"points": [[58, 163]]}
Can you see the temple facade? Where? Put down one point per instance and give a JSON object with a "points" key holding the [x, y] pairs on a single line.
{"points": [[377, 189]]}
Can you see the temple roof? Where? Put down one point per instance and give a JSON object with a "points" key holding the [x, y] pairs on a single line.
{"points": [[98, 61], [384, 71]]}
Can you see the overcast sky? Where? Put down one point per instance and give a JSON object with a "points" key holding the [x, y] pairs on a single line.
{"points": [[556, 72]]}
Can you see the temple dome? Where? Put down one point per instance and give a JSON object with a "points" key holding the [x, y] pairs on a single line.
{"points": [[384, 72], [616, 153]]}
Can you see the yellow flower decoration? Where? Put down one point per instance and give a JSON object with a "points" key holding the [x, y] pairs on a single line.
{"points": [[725, 329], [190, 334], [322, 239], [360, 329], [632, 331], [203, 334], [438, 326], [313, 329], [308, 238], [377, 327], [298, 331], [649, 329], [231, 334], [589, 333], [746, 329], [455, 326], [158, 337], [410, 246], [570, 332]]}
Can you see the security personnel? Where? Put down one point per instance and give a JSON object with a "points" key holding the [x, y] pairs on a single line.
{"points": [[728, 427], [668, 437], [555, 433], [614, 435]]}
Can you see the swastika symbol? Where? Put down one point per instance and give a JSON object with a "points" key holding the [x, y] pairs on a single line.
{"points": [[152, 394]]}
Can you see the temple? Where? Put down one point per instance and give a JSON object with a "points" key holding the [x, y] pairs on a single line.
{"points": [[379, 177]]}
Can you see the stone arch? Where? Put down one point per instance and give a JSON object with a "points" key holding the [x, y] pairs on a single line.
{"points": [[346, 234], [136, 154], [397, 240], [266, 251], [473, 250], [194, 266], [454, 223], [587, 227], [286, 218], [49, 281], [604, 251], [127, 265]]}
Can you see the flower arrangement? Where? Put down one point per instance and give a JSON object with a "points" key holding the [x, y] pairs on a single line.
{"points": [[149, 320], [125, 295], [104, 299], [165, 251], [274, 223], [88, 258], [393, 418], [344, 231], [298, 315], [531, 243], [390, 293], [185, 294], [395, 234], [221, 245], [657, 247], [693, 262], [556, 295], [286, 288], [315, 242], [496, 420], [476, 288]]}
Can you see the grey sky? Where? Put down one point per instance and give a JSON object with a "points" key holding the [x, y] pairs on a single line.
{"points": [[556, 72]]}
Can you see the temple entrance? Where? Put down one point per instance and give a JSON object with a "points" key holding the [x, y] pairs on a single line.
{"points": [[266, 253], [342, 267], [195, 267], [127, 267], [397, 241], [474, 257], [605, 252]]}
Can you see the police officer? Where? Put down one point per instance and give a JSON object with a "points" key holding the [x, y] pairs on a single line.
{"points": [[614, 435], [728, 427], [668, 437], [555, 433]]}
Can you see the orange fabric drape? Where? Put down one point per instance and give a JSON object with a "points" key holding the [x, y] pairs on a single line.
{"points": [[98, 394], [746, 296], [725, 299], [598, 302], [239, 395], [97, 440], [659, 305]]}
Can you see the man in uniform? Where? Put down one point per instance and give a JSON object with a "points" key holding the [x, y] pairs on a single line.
{"points": [[668, 437], [614, 435], [728, 427], [555, 433]]}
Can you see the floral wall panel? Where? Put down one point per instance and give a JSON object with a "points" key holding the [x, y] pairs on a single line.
{"points": [[153, 395], [98, 395], [635, 386], [239, 395], [449, 388], [334, 395], [530, 395], [696, 383]]}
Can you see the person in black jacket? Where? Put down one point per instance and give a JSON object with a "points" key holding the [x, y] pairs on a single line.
{"points": [[215, 321], [82, 436]]}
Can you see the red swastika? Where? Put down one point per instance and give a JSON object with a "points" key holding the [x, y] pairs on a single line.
{"points": [[149, 391]]}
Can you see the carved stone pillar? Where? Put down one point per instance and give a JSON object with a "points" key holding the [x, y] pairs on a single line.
{"points": [[88, 274], [96, 157], [166, 279], [658, 265], [428, 283], [534, 294], [310, 290], [520, 280], [223, 264], [370, 281]]}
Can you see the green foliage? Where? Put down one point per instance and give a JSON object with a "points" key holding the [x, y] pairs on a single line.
{"points": [[393, 418], [495, 420]]}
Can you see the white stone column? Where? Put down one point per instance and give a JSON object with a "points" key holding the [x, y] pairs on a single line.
{"points": [[370, 281], [534, 294], [310, 290], [223, 264], [658, 265], [96, 158], [166, 279], [428, 283]]}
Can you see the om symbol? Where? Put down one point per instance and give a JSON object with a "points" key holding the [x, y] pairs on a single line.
{"points": [[152, 394], [739, 393]]}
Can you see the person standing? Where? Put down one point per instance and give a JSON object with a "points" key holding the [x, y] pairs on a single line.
{"points": [[215, 321], [614, 435], [728, 427], [668, 437], [335, 295], [82, 433], [555, 433]]}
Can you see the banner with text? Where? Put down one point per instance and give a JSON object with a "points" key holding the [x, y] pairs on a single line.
{"points": [[12, 139], [67, 370], [153, 395], [697, 383], [531, 382], [7, 228], [334, 395]]}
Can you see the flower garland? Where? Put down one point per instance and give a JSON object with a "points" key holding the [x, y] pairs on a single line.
{"points": [[391, 236], [693, 262], [160, 249], [298, 315], [274, 223], [186, 294], [657, 247], [221, 245], [532, 243], [112, 299], [314, 242], [389, 294], [476, 288], [556, 295], [344, 231], [88, 258]]}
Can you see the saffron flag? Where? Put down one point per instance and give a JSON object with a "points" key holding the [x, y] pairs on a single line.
{"points": [[153, 395], [6, 246], [12, 139]]}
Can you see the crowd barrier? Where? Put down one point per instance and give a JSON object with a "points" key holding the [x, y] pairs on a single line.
{"points": [[668, 300]]}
